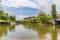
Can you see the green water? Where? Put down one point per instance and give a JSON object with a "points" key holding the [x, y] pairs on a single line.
{"points": [[29, 32]]}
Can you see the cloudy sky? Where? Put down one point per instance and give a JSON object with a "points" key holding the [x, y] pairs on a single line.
{"points": [[26, 8]]}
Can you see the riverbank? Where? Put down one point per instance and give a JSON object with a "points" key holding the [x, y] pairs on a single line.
{"points": [[13, 23], [7, 22]]}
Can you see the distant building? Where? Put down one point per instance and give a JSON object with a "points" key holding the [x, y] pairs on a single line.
{"points": [[58, 16]]}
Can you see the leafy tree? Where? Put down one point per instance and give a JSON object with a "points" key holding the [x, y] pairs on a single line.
{"points": [[4, 16], [53, 11], [12, 18], [43, 18]]}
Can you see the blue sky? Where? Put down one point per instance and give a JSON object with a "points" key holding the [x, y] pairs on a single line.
{"points": [[26, 8]]}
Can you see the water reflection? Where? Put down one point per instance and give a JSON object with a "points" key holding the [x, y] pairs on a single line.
{"points": [[30, 32], [46, 32], [4, 29]]}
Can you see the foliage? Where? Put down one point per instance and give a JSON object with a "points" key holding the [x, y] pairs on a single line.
{"points": [[53, 11], [5, 16], [43, 18], [12, 18]]}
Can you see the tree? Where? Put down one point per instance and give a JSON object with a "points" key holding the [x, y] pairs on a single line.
{"points": [[12, 18], [41, 17], [3, 15], [53, 11]]}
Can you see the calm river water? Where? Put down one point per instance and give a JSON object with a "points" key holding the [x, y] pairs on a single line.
{"points": [[29, 32]]}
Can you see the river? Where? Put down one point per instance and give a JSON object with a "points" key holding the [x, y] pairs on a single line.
{"points": [[29, 32]]}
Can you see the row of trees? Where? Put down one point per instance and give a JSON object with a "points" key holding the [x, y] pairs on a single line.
{"points": [[5, 16], [42, 17]]}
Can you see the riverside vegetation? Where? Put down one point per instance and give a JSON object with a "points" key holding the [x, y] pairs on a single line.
{"points": [[5, 17], [30, 28], [41, 18]]}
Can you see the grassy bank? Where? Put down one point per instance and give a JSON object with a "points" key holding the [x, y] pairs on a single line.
{"points": [[7, 22]]}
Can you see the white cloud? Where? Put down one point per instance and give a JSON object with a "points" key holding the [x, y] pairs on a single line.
{"points": [[27, 3], [44, 5], [19, 3], [47, 4]]}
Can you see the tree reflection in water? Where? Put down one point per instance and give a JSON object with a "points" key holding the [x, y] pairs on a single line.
{"points": [[44, 31], [5, 28]]}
